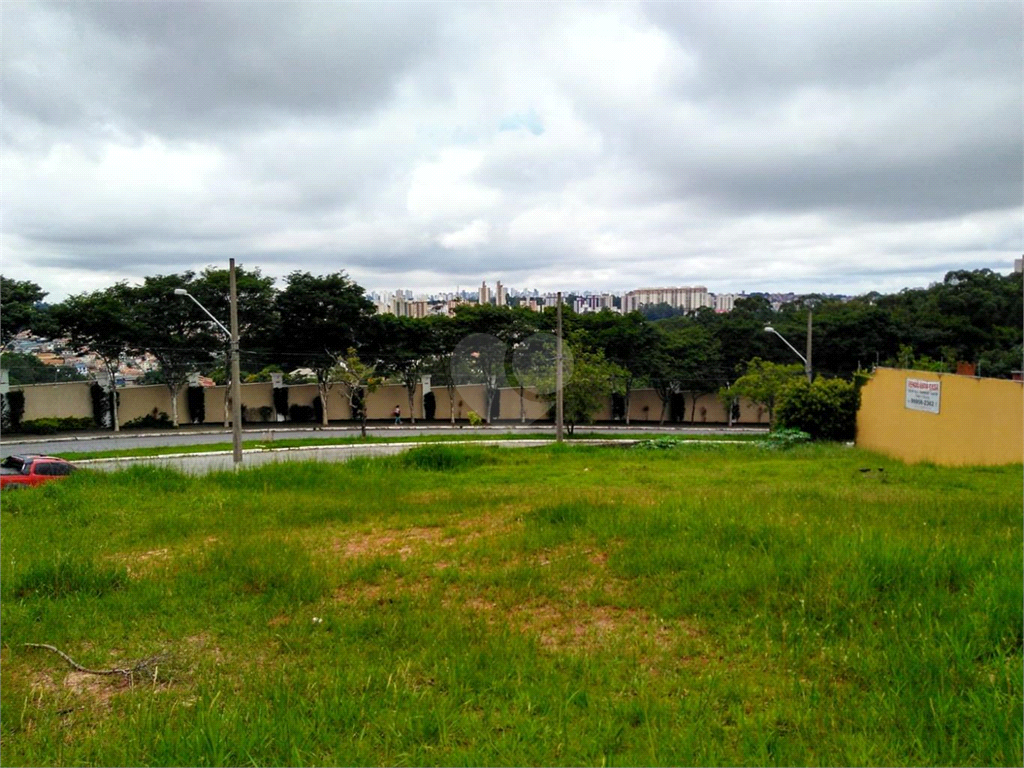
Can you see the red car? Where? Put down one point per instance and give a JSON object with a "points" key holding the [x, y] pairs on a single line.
{"points": [[32, 469]]}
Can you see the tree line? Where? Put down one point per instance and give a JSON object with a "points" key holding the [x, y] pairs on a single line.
{"points": [[326, 324]]}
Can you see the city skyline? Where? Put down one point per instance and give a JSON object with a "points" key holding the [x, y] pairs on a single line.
{"points": [[804, 147]]}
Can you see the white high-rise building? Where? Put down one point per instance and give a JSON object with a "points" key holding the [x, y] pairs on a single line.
{"points": [[500, 297], [689, 298], [485, 293], [724, 302]]}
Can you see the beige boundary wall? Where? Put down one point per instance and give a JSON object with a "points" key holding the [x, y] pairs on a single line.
{"points": [[979, 421], [73, 399]]}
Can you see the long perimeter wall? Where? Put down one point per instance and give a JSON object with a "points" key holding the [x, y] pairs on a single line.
{"points": [[73, 400], [964, 420]]}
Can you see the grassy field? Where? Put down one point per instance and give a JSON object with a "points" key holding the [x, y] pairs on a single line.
{"points": [[560, 605]]}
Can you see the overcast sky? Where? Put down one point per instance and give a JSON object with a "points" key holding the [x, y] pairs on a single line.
{"points": [[841, 147]]}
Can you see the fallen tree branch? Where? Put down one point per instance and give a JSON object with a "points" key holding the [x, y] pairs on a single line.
{"points": [[141, 666]]}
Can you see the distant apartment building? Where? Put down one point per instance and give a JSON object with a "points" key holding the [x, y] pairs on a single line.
{"points": [[724, 302], [689, 298], [484, 297], [593, 303], [500, 295], [1018, 265]]}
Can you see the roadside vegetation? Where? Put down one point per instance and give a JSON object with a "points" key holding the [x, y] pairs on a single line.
{"points": [[562, 605], [265, 444]]}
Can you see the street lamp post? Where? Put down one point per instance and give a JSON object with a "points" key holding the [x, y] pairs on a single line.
{"points": [[236, 389], [807, 360]]}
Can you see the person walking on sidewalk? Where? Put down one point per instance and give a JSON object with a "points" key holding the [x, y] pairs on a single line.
{"points": [[398, 414]]}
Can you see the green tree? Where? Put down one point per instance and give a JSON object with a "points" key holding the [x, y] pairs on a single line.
{"points": [[628, 341], [18, 306], [257, 317], [405, 348], [357, 380], [444, 335], [763, 383], [172, 329], [26, 369], [593, 381], [688, 359], [491, 359], [98, 322], [320, 318]]}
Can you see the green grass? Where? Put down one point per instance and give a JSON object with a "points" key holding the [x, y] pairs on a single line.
{"points": [[455, 437], [561, 605]]}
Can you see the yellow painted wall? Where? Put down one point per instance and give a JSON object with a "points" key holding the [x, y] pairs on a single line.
{"points": [[140, 401], [980, 421], [57, 401]]}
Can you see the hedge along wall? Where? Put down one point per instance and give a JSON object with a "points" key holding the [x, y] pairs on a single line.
{"points": [[980, 421]]}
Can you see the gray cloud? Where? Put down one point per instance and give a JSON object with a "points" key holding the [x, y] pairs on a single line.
{"points": [[738, 145]]}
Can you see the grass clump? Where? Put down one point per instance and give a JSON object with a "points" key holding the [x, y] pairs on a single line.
{"points": [[443, 458], [66, 575]]}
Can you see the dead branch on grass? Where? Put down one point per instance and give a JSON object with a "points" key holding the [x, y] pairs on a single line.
{"points": [[148, 666]]}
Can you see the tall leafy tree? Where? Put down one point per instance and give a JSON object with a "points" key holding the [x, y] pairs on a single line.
{"points": [[763, 383], [321, 317], [172, 329], [628, 341], [405, 346], [445, 337], [99, 322], [257, 316], [492, 361], [18, 306]]}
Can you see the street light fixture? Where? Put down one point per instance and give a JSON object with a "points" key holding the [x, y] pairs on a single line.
{"points": [[807, 360], [236, 389]]}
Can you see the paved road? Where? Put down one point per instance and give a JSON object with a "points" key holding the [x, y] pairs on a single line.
{"points": [[106, 441]]}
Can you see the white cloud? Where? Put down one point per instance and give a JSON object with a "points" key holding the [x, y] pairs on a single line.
{"points": [[473, 234]]}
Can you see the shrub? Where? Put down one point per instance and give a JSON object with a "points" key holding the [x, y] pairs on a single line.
{"points": [[301, 413], [783, 439], [281, 400], [13, 407], [51, 426], [102, 405], [475, 419], [197, 404], [155, 420], [266, 413], [826, 409]]}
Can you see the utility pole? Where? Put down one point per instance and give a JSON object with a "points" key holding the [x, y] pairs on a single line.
{"points": [[810, 314], [236, 374], [559, 402]]}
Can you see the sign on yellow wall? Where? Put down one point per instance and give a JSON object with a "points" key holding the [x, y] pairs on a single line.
{"points": [[923, 395]]}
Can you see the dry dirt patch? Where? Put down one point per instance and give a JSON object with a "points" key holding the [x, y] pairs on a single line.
{"points": [[563, 626], [390, 542]]}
